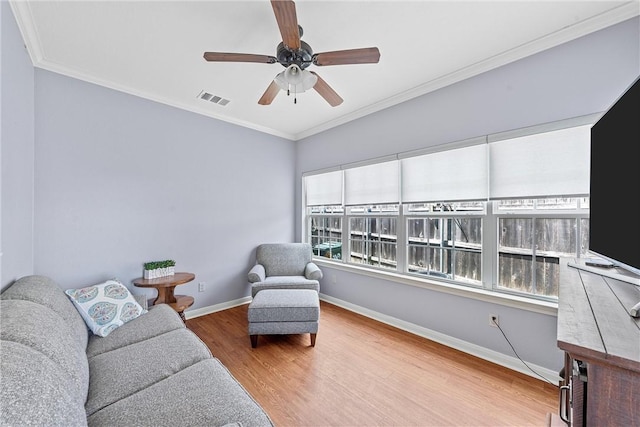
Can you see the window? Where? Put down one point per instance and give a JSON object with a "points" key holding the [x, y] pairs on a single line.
{"points": [[325, 225], [494, 213], [442, 243], [533, 237], [373, 236]]}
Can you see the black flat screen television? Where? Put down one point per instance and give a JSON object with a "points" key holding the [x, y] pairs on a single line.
{"points": [[614, 219]]}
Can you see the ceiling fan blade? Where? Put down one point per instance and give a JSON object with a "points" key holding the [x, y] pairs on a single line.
{"points": [[285, 11], [238, 57], [327, 92], [366, 55], [269, 94]]}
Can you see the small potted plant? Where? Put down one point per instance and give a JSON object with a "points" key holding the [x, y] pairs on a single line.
{"points": [[155, 269]]}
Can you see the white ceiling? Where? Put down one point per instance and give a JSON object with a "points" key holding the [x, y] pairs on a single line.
{"points": [[154, 49]]}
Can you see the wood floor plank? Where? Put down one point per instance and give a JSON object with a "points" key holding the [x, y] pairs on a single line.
{"points": [[365, 373]]}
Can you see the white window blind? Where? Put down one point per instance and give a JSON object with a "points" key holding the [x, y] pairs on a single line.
{"points": [[324, 189], [546, 164], [374, 184], [451, 175]]}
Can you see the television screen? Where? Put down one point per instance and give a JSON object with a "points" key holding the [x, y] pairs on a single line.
{"points": [[614, 224]]}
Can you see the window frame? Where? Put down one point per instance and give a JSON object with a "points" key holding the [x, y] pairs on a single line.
{"points": [[489, 248]]}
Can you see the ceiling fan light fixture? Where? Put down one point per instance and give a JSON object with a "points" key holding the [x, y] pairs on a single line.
{"points": [[296, 56], [295, 79]]}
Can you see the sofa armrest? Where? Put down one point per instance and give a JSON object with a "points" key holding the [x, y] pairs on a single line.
{"points": [[312, 271], [256, 274]]}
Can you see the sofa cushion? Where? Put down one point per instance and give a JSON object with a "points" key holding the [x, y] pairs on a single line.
{"points": [[105, 306], [204, 394], [285, 282], [44, 291], [284, 259], [35, 390], [158, 320], [43, 330], [127, 370]]}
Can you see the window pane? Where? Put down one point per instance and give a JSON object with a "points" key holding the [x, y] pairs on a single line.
{"points": [[515, 204], [446, 207], [529, 252], [468, 266], [547, 276], [445, 247], [326, 236], [516, 234], [557, 203], [556, 236], [373, 209], [544, 204], [373, 241], [584, 236], [335, 209], [515, 254]]}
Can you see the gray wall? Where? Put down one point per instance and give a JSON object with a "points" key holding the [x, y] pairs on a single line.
{"points": [[578, 78], [121, 180], [17, 136]]}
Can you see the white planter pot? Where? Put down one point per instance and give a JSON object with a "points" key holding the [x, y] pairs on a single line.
{"points": [[159, 272]]}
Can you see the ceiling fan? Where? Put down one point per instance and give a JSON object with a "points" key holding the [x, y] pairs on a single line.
{"points": [[296, 56]]}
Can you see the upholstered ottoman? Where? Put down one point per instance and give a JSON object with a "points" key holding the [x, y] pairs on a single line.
{"points": [[284, 311]]}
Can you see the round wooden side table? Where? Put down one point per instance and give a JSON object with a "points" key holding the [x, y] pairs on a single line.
{"points": [[165, 287]]}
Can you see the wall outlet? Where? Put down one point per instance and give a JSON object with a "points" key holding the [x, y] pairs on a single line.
{"points": [[201, 286], [494, 320]]}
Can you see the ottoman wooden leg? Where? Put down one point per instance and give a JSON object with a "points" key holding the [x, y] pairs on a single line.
{"points": [[254, 341], [313, 340]]}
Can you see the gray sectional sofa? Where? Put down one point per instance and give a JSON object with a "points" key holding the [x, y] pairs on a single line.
{"points": [[150, 371]]}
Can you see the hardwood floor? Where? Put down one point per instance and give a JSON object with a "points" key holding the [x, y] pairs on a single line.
{"points": [[365, 373]]}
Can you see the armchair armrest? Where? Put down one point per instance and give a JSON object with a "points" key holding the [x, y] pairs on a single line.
{"points": [[256, 274], [312, 271]]}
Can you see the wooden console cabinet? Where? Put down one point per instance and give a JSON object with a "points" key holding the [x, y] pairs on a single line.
{"points": [[596, 331]]}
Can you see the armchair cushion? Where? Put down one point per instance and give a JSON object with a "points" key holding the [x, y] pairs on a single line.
{"points": [[312, 271], [284, 259]]}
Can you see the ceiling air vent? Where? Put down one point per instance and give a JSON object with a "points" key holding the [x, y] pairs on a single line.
{"points": [[215, 99]]}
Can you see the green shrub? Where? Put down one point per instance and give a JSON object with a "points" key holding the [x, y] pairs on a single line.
{"points": [[152, 265]]}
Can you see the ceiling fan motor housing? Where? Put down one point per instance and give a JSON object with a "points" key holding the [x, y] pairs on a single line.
{"points": [[302, 57]]}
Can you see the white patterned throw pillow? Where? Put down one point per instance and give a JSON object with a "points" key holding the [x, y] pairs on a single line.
{"points": [[105, 306]]}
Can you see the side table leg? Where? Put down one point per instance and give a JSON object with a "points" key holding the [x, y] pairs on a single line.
{"points": [[162, 296]]}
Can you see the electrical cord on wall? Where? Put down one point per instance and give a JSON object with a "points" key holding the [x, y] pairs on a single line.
{"points": [[493, 319]]}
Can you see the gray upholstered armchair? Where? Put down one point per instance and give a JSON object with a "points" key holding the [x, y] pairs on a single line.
{"points": [[284, 266]]}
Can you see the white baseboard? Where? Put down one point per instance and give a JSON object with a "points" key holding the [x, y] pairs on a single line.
{"points": [[190, 314], [501, 359]]}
